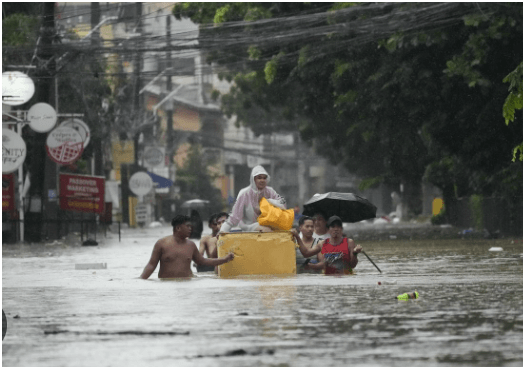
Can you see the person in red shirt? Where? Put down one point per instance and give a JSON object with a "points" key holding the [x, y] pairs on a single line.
{"points": [[336, 255]]}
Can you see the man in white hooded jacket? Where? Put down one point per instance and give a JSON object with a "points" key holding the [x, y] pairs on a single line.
{"points": [[246, 208]]}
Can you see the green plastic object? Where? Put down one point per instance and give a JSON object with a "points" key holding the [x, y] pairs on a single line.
{"points": [[408, 296]]}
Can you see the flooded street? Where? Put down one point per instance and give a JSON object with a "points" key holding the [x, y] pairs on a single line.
{"points": [[470, 310]]}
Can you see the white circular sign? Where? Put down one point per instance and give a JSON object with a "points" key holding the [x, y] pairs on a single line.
{"points": [[154, 156], [80, 127], [64, 145], [140, 183], [14, 151], [42, 117], [17, 88]]}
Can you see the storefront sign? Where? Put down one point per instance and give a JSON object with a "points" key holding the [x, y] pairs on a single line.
{"points": [[17, 88], [154, 157], [123, 152], [140, 183], [8, 192], [82, 193], [79, 126], [42, 117], [64, 145], [13, 151], [141, 213]]}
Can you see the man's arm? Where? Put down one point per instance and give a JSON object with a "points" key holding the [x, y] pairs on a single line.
{"points": [[202, 245], [318, 266], [304, 250], [352, 248], [153, 261], [200, 260]]}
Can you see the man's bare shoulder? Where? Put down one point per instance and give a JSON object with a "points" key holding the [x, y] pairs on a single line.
{"points": [[206, 238], [211, 240], [190, 243], [164, 241]]}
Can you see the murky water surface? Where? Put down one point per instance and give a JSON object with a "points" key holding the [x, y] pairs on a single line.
{"points": [[470, 311]]}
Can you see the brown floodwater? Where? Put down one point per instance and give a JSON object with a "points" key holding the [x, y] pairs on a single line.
{"points": [[470, 310]]}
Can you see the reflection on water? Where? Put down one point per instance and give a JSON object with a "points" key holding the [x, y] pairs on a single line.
{"points": [[470, 310]]}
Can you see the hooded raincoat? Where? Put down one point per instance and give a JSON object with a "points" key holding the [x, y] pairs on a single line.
{"points": [[246, 208]]}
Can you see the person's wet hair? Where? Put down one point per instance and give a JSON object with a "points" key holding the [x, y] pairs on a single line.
{"points": [[179, 219], [322, 214], [213, 219], [304, 218], [222, 214]]}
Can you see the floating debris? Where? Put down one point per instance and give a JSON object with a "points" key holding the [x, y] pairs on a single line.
{"points": [[408, 296]]}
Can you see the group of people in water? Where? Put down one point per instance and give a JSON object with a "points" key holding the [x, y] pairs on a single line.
{"points": [[317, 237]]}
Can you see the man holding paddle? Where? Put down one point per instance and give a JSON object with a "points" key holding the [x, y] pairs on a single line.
{"points": [[337, 255], [176, 252]]}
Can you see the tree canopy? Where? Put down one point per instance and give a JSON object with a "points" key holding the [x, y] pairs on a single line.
{"points": [[397, 92]]}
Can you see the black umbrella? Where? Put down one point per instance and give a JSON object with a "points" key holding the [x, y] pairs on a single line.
{"points": [[347, 206]]}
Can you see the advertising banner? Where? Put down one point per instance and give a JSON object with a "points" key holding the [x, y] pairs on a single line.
{"points": [[82, 193], [8, 192]]}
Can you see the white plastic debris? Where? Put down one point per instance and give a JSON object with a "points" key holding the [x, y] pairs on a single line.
{"points": [[380, 221], [496, 249]]}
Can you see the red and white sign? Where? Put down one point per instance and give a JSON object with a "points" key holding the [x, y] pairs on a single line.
{"points": [[82, 193], [8, 192], [64, 145], [79, 126]]}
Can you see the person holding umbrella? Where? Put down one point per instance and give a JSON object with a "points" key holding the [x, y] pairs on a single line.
{"points": [[337, 255]]}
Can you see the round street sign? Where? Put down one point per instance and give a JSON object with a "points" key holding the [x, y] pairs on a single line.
{"points": [[154, 156], [79, 126], [64, 145], [42, 117], [13, 151], [140, 183], [17, 88]]}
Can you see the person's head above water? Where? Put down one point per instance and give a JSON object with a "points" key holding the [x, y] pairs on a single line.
{"points": [[259, 178], [181, 223], [320, 225]]}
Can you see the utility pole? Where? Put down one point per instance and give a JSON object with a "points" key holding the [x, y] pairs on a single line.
{"points": [[169, 104], [43, 170], [136, 83], [95, 43], [136, 68]]}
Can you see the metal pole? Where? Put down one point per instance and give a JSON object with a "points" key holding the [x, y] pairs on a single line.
{"points": [[371, 261], [21, 190]]}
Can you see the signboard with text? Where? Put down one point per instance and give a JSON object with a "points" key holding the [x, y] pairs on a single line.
{"points": [[82, 193], [13, 151], [64, 145]]}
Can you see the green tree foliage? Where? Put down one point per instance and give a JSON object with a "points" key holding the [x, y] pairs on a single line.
{"points": [[413, 101], [196, 181], [514, 102], [18, 31]]}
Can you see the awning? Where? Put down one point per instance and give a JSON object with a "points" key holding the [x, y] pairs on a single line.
{"points": [[160, 182]]}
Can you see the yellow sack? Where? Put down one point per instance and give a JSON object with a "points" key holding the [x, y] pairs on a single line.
{"points": [[274, 217]]}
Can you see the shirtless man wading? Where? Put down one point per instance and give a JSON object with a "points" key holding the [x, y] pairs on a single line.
{"points": [[176, 252]]}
